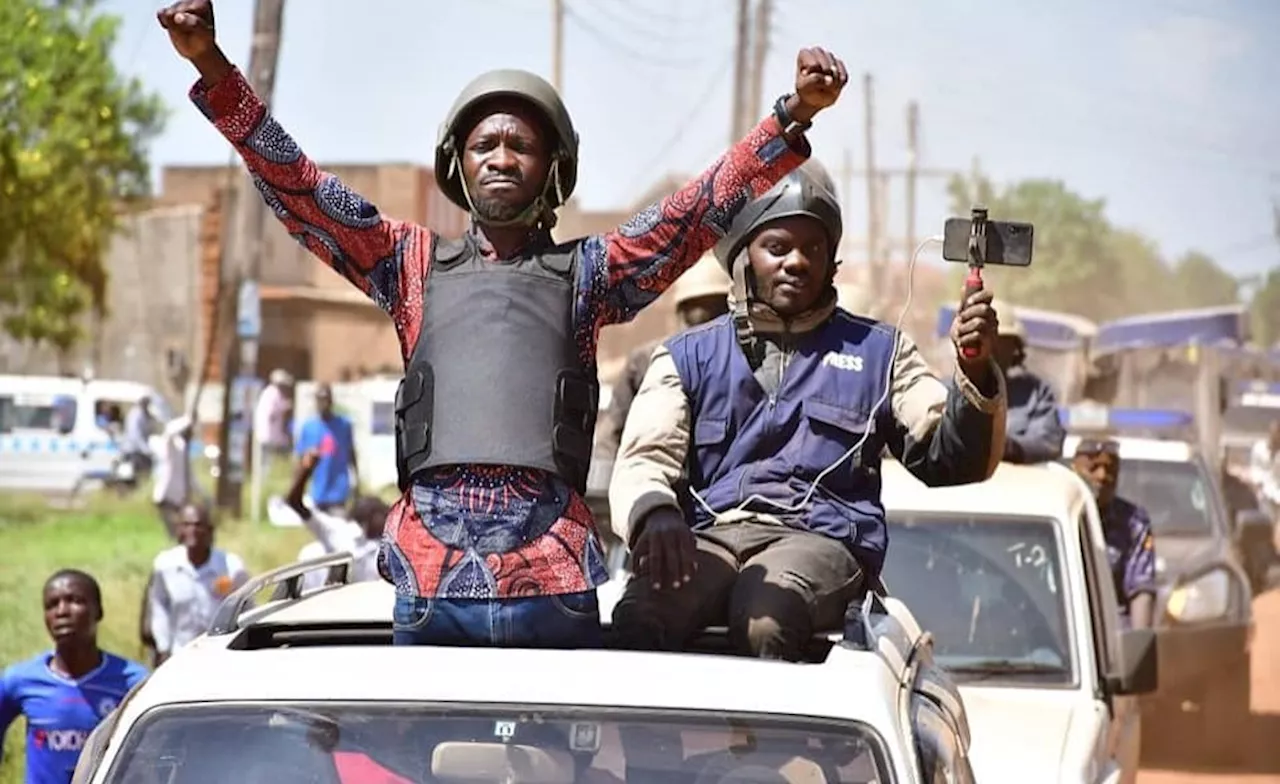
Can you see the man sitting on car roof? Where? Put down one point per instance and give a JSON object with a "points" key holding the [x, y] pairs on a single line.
{"points": [[747, 480]]}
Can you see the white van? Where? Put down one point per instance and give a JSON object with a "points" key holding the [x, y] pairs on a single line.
{"points": [[51, 436]]}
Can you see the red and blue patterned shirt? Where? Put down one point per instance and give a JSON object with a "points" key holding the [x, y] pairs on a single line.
{"points": [[492, 532]]}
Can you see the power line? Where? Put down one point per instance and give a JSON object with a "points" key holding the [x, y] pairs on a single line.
{"points": [[610, 42], [659, 34], [688, 119]]}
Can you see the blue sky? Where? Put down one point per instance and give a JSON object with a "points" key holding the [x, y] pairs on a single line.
{"points": [[1166, 109]]}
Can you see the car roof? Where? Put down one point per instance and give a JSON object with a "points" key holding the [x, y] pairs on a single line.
{"points": [[1042, 490], [331, 644], [1163, 450], [675, 681]]}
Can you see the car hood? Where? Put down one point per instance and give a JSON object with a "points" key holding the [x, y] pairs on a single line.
{"points": [[1021, 735]]}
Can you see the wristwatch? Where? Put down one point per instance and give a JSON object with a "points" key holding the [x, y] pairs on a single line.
{"points": [[790, 127]]}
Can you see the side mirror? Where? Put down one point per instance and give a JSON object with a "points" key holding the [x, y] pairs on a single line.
{"points": [[1138, 668]]}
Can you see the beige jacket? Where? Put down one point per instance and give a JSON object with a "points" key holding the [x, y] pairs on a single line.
{"points": [[655, 440]]}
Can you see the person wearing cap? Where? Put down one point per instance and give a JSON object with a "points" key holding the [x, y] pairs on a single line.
{"points": [[491, 542], [747, 481], [1131, 549], [699, 295], [1034, 432]]}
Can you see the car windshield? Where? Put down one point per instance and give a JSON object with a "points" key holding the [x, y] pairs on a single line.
{"points": [[329, 743], [990, 589], [1175, 495]]}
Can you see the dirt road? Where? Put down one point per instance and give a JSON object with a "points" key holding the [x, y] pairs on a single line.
{"points": [[1263, 734]]}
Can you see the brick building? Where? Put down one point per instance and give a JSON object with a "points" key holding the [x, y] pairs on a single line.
{"points": [[317, 326], [314, 323]]}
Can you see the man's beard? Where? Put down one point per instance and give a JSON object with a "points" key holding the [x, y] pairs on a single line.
{"points": [[497, 210]]}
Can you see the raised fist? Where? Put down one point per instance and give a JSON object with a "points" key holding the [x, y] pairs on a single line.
{"points": [[820, 76], [190, 27]]}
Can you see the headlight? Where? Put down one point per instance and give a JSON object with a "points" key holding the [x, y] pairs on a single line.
{"points": [[1203, 599]]}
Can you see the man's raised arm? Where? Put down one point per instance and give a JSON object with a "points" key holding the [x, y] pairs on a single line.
{"points": [[641, 258], [323, 214]]}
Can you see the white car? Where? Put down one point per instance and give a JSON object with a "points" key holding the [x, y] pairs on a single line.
{"points": [[1204, 620], [307, 687], [1010, 577]]}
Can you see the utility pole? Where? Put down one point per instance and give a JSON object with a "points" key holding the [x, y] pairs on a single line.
{"points": [[759, 55], [242, 236], [736, 129], [557, 45], [913, 161], [873, 179]]}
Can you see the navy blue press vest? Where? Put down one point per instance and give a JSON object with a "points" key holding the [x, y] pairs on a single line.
{"points": [[745, 443]]}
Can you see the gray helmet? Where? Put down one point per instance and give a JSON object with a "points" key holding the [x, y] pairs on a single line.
{"points": [[808, 190], [539, 93]]}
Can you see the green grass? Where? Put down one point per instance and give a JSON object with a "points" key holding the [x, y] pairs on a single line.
{"points": [[115, 540]]}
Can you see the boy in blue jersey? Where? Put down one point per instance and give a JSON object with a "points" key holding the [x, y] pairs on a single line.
{"points": [[65, 692]]}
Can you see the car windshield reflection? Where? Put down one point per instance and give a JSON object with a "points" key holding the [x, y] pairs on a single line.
{"points": [[989, 589], [1175, 495], [407, 743]]}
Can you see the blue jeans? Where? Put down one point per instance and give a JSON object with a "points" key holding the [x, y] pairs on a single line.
{"points": [[565, 621]]}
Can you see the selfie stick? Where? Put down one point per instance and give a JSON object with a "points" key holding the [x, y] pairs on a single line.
{"points": [[977, 254]]}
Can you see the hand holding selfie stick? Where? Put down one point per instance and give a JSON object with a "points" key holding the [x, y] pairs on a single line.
{"points": [[977, 254]]}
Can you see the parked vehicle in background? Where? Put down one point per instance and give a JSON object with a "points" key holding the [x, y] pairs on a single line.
{"points": [[58, 435], [1204, 616], [1010, 576]]}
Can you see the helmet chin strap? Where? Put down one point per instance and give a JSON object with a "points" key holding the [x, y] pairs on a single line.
{"points": [[745, 297], [539, 211]]}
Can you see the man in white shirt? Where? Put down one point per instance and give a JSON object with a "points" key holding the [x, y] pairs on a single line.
{"points": [[173, 472], [189, 582], [358, 532]]}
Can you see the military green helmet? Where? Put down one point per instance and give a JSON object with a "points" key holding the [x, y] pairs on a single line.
{"points": [[539, 93]]}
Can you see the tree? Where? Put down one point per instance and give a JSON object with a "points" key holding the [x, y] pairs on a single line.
{"points": [[1082, 263], [1265, 309], [73, 135], [1073, 248], [1202, 283]]}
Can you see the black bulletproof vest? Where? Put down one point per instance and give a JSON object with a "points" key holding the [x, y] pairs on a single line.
{"points": [[495, 377]]}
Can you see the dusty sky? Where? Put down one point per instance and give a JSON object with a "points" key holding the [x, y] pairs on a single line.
{"points": [[1167, 109]]}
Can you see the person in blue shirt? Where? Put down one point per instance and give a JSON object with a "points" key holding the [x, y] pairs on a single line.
{"points": [[1131, 550], [1033, 432], [64, 693], [329, 435]]}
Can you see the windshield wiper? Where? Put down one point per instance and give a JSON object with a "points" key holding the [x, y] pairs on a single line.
{"points": [[994, 667]]}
